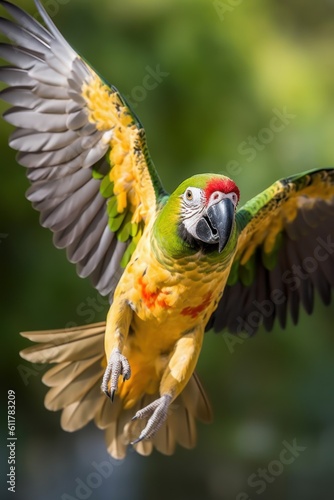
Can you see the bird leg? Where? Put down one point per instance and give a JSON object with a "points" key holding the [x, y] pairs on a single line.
{"points": [[117, 329], [180, 367], [117, 365]]}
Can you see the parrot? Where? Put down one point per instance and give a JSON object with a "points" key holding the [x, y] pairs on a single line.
{"points": [[173, 266]]}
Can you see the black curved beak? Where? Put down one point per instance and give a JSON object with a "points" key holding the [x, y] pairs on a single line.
{"points": [[221, 216], [217, 226]]}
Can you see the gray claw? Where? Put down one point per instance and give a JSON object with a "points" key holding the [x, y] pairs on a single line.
{"points": [[158, 411], [117, 365]]}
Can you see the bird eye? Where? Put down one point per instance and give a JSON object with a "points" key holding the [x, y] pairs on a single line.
{"points": [[189, 195], [192, 197]]}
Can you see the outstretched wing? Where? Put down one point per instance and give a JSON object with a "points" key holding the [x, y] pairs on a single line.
{"points": [[91, 175], [285, 251]]}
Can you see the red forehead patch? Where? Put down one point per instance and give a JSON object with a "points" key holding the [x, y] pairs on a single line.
{"points": [[224, 185]]}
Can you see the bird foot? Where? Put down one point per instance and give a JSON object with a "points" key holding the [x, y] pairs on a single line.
{"points": [[117, 365], [158, 411]]}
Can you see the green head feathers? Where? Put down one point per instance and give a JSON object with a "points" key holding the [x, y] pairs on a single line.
{"points": [[198, 217]]}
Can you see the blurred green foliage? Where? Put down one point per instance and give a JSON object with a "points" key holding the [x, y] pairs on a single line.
{"points": [[229, 65]]}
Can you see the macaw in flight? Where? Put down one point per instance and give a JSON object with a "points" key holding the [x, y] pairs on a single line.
{"points": [[173, 265]]}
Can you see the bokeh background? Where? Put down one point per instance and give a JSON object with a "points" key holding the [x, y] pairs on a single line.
{"points": [[226, 66]]}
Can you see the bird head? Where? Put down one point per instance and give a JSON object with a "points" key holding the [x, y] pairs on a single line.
{"points": [[203, 208]]}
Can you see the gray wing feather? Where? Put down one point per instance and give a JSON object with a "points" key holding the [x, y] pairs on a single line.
{"points": [[76, 120], [16, 77], [21, 36], [26, 21], [20, 117], [58, 188], [109, 267], [78, 221], [19, 96], [46, 75], [18, 55], [88, 238], [90, 262]]}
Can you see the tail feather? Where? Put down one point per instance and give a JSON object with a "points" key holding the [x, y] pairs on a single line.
{"points": [[65, 335], [50, 378], [196, 400], [83, 378], [75, 389], [144, 448], [72, 351], [164, 439], [185, 427], [71, 344], [59, 373], [105, 414], [78, 414], [116, 441]]}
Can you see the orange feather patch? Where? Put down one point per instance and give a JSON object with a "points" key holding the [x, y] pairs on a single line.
{"points": [[151, 299], [195, 311]]}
